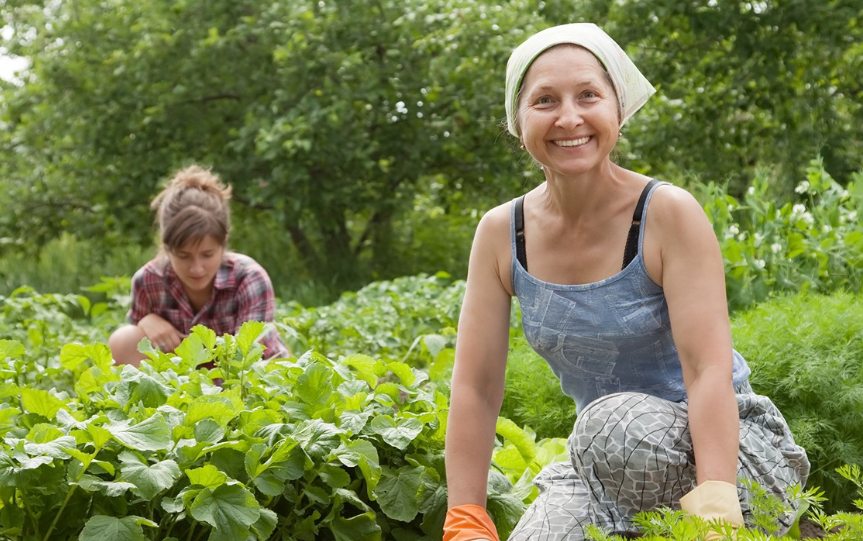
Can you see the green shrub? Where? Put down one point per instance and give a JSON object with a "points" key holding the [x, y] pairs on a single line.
{"points": [[814, 243], [806, 354]]}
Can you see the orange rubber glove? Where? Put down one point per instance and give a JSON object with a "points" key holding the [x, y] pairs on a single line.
{"points": [[469, 522], [714, 500]]}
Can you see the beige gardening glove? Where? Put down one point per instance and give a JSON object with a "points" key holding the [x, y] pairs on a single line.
{"points": [[714, 500], [469, 522]]}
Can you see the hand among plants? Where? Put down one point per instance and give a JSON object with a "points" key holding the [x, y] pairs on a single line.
{"points": [[469, 522], [161, 334], [714, 500]]}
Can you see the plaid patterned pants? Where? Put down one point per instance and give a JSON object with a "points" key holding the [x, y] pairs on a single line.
{"points": [[632, 452]]}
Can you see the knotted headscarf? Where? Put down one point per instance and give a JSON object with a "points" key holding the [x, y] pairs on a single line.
{"points": [[631, 87]]}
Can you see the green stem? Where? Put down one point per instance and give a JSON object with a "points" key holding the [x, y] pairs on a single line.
{"points": [[191, 530], [60, 512]]}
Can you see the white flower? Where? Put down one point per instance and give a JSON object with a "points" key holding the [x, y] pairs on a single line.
{"points": [[775, 247], [803, 187], [751, 190], [760, 263]]}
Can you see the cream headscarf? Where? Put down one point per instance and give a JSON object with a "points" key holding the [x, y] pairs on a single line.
{"points": [[630, 85]]}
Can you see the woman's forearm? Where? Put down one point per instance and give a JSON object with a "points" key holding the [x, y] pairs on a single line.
{"points": [[715, 428], [469, 444]]}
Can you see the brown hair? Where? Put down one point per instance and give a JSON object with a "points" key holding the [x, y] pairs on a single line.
{"points": [[193, 205]]}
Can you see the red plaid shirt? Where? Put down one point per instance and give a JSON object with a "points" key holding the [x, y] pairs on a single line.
{"points": [[242, 292]]}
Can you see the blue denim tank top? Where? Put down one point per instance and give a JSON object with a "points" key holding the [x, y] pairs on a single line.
{"points": [[605, 337]]}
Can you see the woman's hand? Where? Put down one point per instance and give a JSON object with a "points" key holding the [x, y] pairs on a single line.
{"points": [[468, 523], [161, 334], [714, 500]]}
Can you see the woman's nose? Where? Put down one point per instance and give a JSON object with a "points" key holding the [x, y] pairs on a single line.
{"points": [[569, 115]]}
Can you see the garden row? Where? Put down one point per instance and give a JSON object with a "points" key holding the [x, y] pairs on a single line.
{"points": [[345, 442]]}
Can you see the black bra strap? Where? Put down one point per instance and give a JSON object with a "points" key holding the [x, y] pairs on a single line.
{"points": [[519, 232], [629, 252], [632, 240]]}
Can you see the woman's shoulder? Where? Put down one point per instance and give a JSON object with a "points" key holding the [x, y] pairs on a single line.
{"points": [[497, 218], [155, 268], [670, 203]]}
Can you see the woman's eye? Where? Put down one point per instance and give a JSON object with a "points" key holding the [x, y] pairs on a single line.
{"points": [[543, 100], [589, 94]]}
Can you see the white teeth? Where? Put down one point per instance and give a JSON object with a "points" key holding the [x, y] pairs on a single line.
{"points": [[572, 142]]}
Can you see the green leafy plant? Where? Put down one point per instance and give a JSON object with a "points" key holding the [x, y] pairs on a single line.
{"points": [[814, 243], [295, 449]]}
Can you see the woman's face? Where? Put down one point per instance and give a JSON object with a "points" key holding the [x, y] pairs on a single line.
{"points": [[568, 112], [196, 264]]}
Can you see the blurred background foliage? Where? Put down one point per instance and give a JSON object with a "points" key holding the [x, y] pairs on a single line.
{"points": [[363, 138]]}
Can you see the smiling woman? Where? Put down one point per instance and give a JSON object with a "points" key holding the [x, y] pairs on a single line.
{"points": [[195, 280], [666, 415]]}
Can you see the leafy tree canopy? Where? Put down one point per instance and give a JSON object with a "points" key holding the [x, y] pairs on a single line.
{"points": [[331, 117]]}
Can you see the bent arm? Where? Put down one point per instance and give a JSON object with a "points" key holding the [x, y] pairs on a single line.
{"points": [[479, 373], [693, 278]]}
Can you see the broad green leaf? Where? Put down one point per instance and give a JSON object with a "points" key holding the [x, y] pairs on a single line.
{"points": [[315, 386], [248, 333], [73, 355], [404, 372], [317, 437], [208, 476], [220, 408], [354, 421], [434, 343], [359, 528], [149, 479], [253, 464], [44, 433], [7, 416], [334, 476], [101, 528], [8, 389], [192, 351], [397, 432], [266, 524], [100, 435], [41, 402], [152, 434], [12, 518], [363, 454], [397, 492], [10, 349], [207, 336], [110, 489], [209, 431], [229, 509], [367, 368], [54, 449], [143, 389], [269, 484]]}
